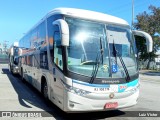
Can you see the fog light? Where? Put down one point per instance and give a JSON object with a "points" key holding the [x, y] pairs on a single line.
{"points": [[71, 105]]}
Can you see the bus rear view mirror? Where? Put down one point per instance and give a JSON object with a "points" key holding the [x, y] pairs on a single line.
{"points": [[64, 31], [149, 41]]}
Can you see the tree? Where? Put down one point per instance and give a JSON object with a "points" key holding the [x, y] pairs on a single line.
{"points": [[150, 23]]}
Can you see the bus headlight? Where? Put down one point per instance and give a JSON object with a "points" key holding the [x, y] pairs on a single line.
{"points": [[75, 90], [79, 91], [135, 88]]}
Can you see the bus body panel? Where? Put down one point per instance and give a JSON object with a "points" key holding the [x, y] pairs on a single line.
{"points": [[57, 88]]}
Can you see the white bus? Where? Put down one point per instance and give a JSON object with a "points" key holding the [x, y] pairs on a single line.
{"points": [[83, 60]]}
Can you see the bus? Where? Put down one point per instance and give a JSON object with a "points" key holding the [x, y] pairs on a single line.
{"points": [[83, 60], [13, 54]]}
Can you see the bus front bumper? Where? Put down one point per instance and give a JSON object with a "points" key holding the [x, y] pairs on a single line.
{"points": [[77, 103]]}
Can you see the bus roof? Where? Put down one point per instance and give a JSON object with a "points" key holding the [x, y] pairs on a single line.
{"points": [[86, 14]]}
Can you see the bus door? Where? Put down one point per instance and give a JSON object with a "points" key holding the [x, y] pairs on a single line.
{"points": [[36, 71], [57, 68]]}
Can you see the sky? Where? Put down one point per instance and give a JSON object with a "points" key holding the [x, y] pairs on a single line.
{"points": [[18, 16]]}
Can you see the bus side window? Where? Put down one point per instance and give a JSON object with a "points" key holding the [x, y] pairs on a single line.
{"points": [[43, 60], [29, 60], [57, 47], [16, 60], [25, 60], [36, 61]]}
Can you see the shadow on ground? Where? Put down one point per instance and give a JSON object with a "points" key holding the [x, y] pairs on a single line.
{"points": [[27, 93]]}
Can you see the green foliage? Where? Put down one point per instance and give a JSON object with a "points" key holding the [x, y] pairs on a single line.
{"points": [[150, 23]]}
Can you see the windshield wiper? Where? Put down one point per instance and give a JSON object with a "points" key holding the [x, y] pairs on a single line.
{"points": [[115, 54], [101, 49], [99, 58]]}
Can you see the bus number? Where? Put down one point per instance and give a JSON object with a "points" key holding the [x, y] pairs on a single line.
{"points": [[101, 89]]}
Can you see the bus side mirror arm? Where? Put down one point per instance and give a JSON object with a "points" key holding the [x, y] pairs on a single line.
{"points": [[149, 41], [64, 30]]}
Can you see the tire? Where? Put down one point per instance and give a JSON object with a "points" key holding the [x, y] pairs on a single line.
{"points": [[22, 78], [10, 69], [45, 90], [12, 73]]}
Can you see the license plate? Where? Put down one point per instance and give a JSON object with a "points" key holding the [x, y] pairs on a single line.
{"points": [[111, 105]]}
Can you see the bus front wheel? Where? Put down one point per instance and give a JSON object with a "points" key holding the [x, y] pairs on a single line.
{"points": [[45, 89], [22, 77]]}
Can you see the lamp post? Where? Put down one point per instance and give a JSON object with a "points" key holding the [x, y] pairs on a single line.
{"points": [[132, 13]]}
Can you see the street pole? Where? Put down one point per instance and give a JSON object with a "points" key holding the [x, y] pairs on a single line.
{"points": [[132, 13]]}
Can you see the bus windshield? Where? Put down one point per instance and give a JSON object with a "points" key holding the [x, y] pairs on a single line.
{"points": [[87, 41]]}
